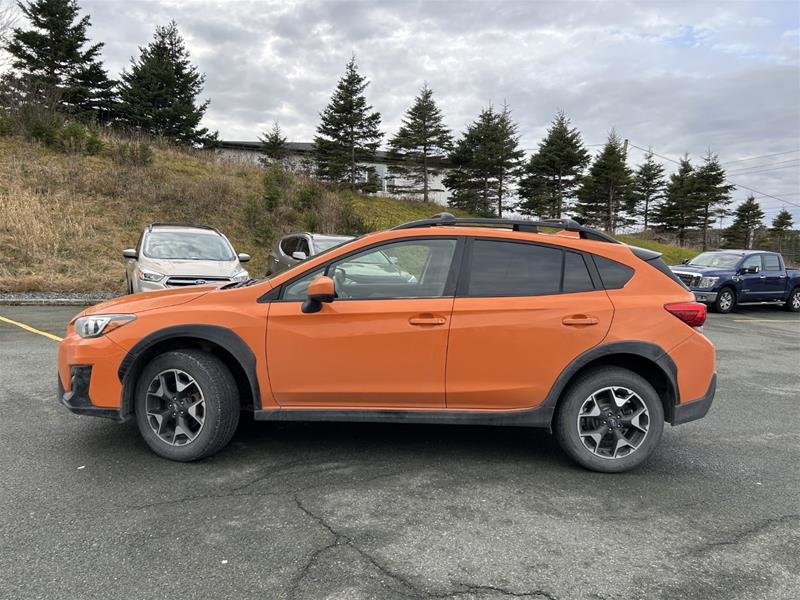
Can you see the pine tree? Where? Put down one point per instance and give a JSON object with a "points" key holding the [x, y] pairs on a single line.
{"points": [[748, 218], [273, 146], [485, 163], [159, 92], [680, 212], [713, 194], [553, 172], [781, 224], [421, 144], [349, 133], [648, 188], [56, 62], [606, 191]]}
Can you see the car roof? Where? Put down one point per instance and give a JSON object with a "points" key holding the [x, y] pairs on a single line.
{"points": [[200, 229], [325, 236]]}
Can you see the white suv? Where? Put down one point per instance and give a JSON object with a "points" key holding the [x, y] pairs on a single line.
{"points": [[170, 256]]}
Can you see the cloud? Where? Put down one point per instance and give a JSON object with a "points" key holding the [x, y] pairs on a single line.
{"points": [[677, 76]]}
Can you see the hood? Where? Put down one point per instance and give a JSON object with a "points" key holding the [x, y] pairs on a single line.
{"points": [[706, 271], [192, 268], [138, 303]]}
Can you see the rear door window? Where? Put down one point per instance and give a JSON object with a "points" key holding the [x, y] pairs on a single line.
{"points": [[501, 268], [576, 274]]}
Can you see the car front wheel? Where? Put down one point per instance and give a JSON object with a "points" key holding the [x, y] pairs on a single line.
{"points": [[186, 404], [726, 300], [610, 420]]}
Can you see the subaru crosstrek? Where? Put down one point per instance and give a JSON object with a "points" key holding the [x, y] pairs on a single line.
{"points": [[499, 323]]}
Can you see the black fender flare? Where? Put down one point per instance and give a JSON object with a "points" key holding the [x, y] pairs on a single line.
{"points": [[138, 356], [654, 353]]}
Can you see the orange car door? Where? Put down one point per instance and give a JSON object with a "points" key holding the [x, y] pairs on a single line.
{"points": [[382, 343], [517, 322]]}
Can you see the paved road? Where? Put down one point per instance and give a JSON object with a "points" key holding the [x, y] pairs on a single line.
{"points": [[367, 511]]}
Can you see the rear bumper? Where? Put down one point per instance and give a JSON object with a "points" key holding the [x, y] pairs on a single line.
{"points": [[695, 409], [77, 399], [705, 296]]}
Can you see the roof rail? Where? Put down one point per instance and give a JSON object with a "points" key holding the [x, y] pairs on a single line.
{"points": [[448, 219], [150, 227]]}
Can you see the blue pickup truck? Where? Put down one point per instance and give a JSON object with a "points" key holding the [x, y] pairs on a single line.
{"points": [[725, 278]]}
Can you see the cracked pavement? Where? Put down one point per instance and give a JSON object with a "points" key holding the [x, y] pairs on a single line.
{"points": [[357, 511]]}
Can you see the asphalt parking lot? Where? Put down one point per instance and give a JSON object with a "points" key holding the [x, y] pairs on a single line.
{"points": [[376, 511]]}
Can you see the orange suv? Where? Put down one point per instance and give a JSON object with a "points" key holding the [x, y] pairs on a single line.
{"points": [[444, 320]]}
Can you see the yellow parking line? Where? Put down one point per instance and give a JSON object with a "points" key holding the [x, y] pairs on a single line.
{"points": [[31, 329], [765, 321]]}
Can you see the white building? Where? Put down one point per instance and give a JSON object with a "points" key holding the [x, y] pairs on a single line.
{"points": [[300, 158]]}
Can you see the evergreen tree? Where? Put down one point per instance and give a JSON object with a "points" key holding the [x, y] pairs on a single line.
{"points": [[713, 194], [781, 224], [553, 172], [648, 188], [349, 133], [421, 143], [485, 163], [606, 191], [680, 212], [159, 93], [748, 218], [273, 146], [56, 62]]}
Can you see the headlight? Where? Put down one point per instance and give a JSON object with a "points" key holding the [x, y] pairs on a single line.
{"points": [[707, 282], [240, 276], [150, 275], [96, 325]]}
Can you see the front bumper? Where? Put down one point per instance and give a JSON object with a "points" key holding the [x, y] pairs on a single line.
{"points": [[695, 409], [77, 399], [700, 296]]}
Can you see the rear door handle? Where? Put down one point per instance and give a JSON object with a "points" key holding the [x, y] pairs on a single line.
{"points": [[427, 319], [578, 320]]}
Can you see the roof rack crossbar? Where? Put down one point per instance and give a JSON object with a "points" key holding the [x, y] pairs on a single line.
{"points": [[447, 219]]}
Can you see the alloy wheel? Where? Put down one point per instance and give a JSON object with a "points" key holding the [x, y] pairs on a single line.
{"points": [[796, 300], [725, 300], [613, 422], [176, 408]]}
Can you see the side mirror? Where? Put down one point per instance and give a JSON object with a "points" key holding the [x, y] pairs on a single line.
{"points": [[753, 269], [243, 257], [322, 289], [685, 261], [299, 255], [130, 253]]}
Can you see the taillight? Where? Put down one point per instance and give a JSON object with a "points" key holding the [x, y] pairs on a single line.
{"points": [[691, 313]]}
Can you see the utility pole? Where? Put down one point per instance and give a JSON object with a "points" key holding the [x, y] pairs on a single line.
{"points": [[625, 149]]}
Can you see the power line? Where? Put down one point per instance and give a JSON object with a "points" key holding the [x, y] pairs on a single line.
{"points": [[738, 185], [729, 162], [792, 166], [765, 165]]}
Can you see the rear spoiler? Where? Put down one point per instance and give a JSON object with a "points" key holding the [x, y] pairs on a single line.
{"points": [[653, 258]]}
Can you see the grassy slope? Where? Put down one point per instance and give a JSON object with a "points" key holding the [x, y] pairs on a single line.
{"points": [[672, 255], [65, 219]]}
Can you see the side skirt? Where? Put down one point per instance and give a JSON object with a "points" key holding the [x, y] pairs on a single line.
{"points": [[529, 417]]}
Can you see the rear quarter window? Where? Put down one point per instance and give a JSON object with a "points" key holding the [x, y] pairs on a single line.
{"points": [[613, 274]]}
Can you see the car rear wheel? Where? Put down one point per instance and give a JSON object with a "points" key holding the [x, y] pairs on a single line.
{"points": [[610, 420], [726, 300], [187, 405], [793, 302]]}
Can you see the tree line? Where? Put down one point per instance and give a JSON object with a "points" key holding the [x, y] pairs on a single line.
{"points": [[56, 66], [55, 63]]}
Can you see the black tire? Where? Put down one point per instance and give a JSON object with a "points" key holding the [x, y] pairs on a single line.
{"points": [[725, 302], [220, 411], [567, 417], [793, 301]]}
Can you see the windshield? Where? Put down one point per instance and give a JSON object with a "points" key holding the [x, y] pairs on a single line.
{"points": [[189, 245], [322, 244], [715, 259]]}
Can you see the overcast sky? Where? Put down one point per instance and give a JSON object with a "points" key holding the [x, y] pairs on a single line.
{"points": [[677, 76]]}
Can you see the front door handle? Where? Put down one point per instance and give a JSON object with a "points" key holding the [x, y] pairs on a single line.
{"points": [[427, 319], [578, 320]]}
